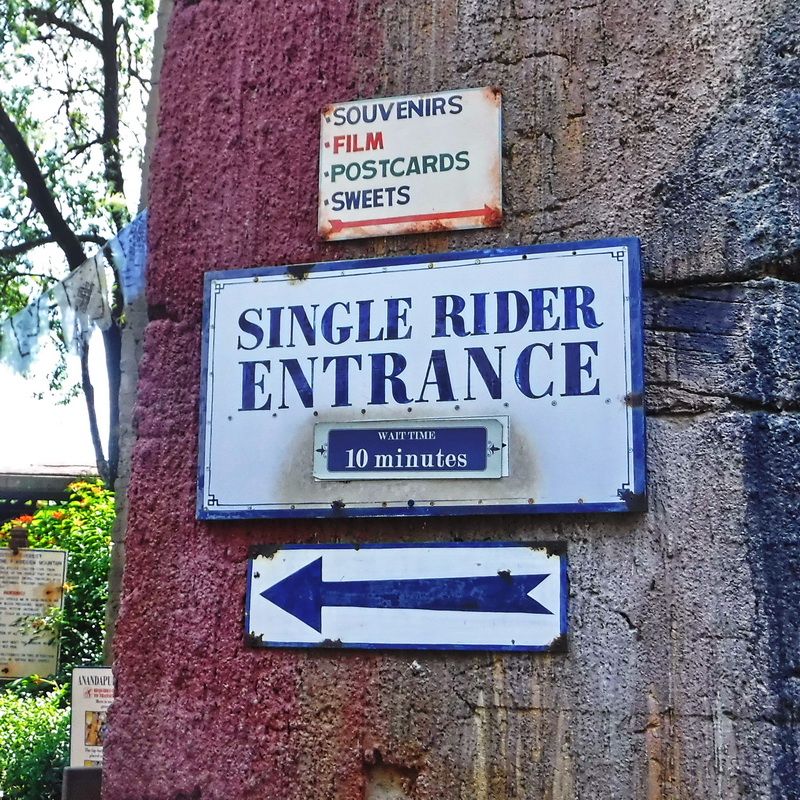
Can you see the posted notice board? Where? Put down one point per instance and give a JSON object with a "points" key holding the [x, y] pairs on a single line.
{"points": [[31, 583], [92, 695], [414, 164]]}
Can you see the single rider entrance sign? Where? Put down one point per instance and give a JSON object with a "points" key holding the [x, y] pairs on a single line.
{"points": [[491, 381]]}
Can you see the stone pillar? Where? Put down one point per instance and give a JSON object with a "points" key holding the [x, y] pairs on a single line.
{"points": [[677, 123]]}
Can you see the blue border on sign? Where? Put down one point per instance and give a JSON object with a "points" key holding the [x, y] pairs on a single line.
{"points": [[632, 498], [556, 548], [637, 363]]}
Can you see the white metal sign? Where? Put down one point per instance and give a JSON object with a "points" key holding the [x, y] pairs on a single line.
{"points": [[487, 596], [410, 164], [31, 584], [483, 382]]}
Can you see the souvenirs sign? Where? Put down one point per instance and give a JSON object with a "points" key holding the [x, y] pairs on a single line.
{"points": [[410, 164], [491, 381]]}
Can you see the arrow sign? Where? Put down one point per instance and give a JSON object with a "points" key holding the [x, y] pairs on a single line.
{"points": [[304, 593], [464, 596], [485, 213]]}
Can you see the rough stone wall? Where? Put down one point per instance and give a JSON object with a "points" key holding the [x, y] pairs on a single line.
{"points": [[675, 122]]}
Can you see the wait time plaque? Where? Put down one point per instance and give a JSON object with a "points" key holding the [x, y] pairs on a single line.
{"points": [[418, 450]]}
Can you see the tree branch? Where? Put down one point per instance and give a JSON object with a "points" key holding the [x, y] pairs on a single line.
{"points": [[38, 192], [77, 149], [43, 16], [10, 274], [14, 250], [112, 159]]}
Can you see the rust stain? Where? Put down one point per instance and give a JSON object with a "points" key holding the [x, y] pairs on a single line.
{"points": [[432, 226], [634, 399], [327, 110], [493, 94], [661, 748], [51, 592], [559, 644], [493, 218], [22, 669], [652, 740], [490, 217], [14, 669]]}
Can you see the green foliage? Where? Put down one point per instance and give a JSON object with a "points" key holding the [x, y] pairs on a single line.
{"points": [[73, 87], [58, 69], [82, 527], [34, 731], [34, 716]]}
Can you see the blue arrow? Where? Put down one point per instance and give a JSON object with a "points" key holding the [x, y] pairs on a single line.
{"points": [[303, 594]]}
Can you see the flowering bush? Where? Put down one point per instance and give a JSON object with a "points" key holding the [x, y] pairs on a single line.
{"points": [[34, 715], [82, 527]]}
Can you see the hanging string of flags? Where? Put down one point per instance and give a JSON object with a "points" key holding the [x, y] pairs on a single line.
{"points": [[129, 251], [82, 300]]}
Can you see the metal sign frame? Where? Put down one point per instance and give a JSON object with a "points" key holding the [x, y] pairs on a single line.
{"points": [[264, 474]]}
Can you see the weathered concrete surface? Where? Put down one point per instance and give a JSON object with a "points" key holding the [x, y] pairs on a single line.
{"points": [[131, 353], [678, 124]]}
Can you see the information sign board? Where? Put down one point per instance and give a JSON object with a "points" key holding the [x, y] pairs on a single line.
{"points": [[490, 381], [410, 164], [31, 583], [92, 694], [465, 596]]}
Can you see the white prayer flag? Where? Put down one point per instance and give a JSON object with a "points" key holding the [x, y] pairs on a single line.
{"points": [[129, 251], [21, 335], [82, 300]]}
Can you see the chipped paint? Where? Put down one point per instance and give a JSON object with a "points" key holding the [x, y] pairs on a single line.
{"points": [[299, 272], [264, 550], [636, 503]]}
